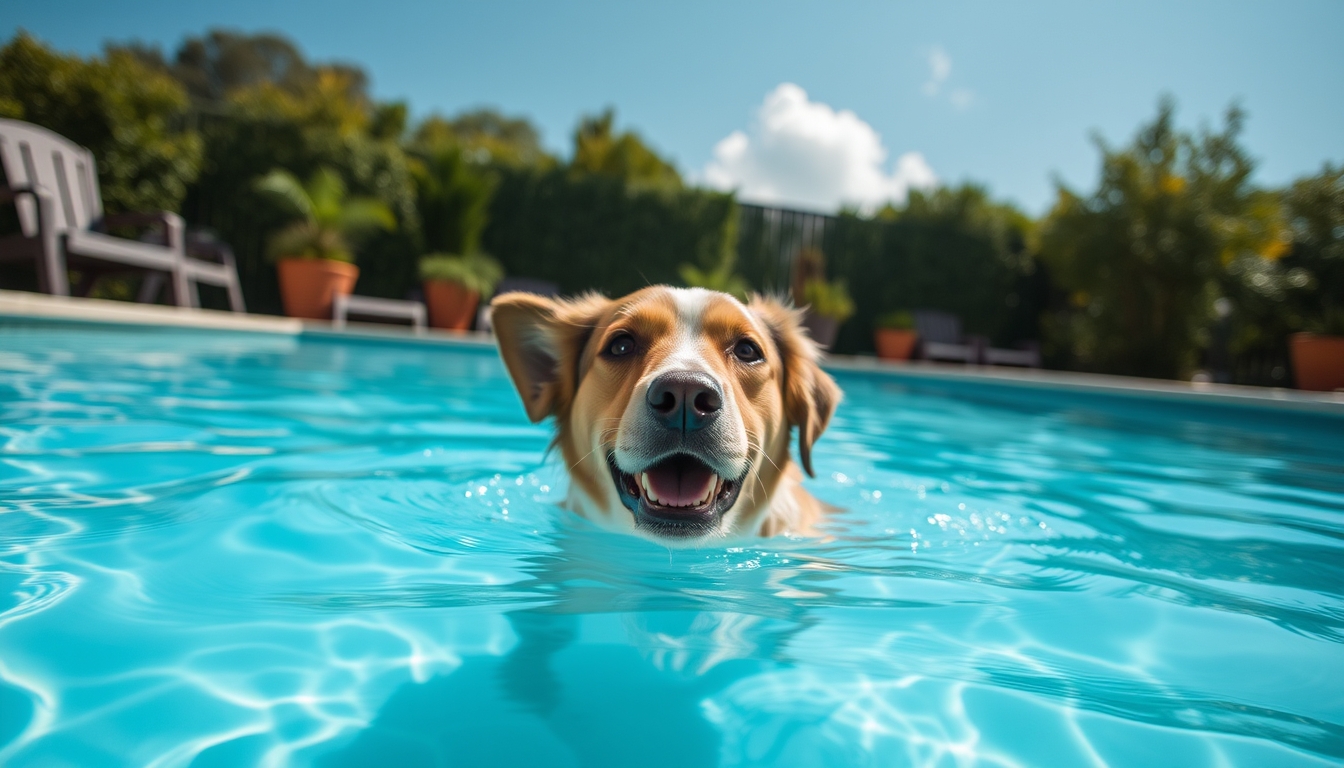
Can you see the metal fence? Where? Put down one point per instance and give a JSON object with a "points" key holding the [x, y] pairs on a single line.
{"points": [[769, 240]]}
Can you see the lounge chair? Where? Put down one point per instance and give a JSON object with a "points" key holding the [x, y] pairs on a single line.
{"points": [[940, 338], [53, 184], [1027, 355]]}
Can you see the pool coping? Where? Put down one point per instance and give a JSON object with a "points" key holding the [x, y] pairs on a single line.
{"points": [[34, 306]]}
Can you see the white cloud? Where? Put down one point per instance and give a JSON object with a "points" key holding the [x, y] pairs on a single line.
{"points": [[804, 153], [940, 69], [961, 98]]}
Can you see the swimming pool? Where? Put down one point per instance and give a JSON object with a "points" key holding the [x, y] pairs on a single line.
{"points": [[230, 549]]}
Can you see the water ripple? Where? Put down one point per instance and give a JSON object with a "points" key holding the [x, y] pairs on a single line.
{"points": [[232, 549]]}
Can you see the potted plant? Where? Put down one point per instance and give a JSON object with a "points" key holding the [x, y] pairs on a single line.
{"points": [[454, 286], [313, 254], [828, 305], [1318, 361], [895, 335]]}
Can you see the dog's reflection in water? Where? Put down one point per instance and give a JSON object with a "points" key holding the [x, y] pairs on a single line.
{"points": [[629, 694]]}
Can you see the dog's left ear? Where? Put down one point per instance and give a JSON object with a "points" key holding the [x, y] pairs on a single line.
{"points": [[810, 394], [542, 341]]}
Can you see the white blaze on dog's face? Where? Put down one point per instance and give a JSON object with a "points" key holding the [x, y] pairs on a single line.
{"points": [[673, 406]]}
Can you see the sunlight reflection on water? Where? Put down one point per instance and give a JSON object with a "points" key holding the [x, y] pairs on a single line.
{"points": [[222, 550]]}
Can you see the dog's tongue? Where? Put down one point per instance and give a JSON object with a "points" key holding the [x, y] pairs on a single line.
{"points": [[680, 484]]}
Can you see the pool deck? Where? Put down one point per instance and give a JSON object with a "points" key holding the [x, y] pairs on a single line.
{"points": [[19, 305]]}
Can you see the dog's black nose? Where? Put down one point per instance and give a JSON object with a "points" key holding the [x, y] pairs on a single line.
{"points": [[685, 400]]}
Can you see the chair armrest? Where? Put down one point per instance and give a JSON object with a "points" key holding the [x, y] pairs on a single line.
{"points": [[8, 194], [141, 219], [172, 224], [44, 208], [205, 247]]}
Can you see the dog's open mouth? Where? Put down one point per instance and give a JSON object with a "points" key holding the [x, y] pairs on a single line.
{"points": [[677, 496]]}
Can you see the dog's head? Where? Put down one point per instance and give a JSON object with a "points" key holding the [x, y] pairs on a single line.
{"points": [[673, 406]]}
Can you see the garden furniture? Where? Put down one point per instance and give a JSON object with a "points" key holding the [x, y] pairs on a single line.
{"points": [[344, 305], [53, 185]]}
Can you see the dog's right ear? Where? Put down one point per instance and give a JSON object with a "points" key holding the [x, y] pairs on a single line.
{"points": [[541, 341]]}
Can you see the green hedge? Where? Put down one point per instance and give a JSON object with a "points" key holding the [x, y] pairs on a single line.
{"points": [[910, 263], [922, 265], [592, 232]]}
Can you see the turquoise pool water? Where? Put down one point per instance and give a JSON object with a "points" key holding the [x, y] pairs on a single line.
{"points": [[234, 550]]}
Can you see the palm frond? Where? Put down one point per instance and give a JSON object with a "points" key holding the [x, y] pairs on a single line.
{"points": [[363, 215], [308, 240], [327, 191], [282, 187]]}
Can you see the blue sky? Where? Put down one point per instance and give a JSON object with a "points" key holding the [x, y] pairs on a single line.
{"points": [[1007, 94]]}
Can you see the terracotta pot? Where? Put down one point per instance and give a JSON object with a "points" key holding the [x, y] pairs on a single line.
{"points": [[451, 305], [1318, 361], [308, 286], [895, 343], [821, 329]]}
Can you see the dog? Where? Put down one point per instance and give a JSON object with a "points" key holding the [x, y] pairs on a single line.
{"points": [[674, 407]]}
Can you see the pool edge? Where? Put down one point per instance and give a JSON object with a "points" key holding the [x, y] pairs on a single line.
{"points": [[33, 306]]}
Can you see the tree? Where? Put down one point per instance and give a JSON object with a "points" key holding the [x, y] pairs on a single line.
{"points": [[485, 137], [1301, 290], [257, 105], [599, 150], [127, 113], [1315, 208], [1141, 255]]}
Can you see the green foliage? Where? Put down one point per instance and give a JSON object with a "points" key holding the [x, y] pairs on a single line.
{"points": [[299, 116], [722, 274], [1141, 254], [1302, 290], [953, 249], [599, 150], [828, 299], [485, 137], [328, 218], [474, 271], [126, 112], [1122, 279], [222, 62], [969, 210], [453, 198], [900, 320], [1315, 207], [716, 279], [592, 232], [389, 121]]}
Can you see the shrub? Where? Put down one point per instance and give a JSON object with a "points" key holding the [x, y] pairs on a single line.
{"points": [[126, 113], [899, 320], [828, 299], [476, 272]]}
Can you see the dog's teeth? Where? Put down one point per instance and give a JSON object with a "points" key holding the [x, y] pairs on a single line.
{"points": [[648, 487], [710, 492]]}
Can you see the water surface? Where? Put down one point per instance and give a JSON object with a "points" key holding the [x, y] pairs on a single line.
{"points": [[240, 549]]}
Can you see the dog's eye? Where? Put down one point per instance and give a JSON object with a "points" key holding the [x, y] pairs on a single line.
{"points": [[621, 346], [747, 351]]}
